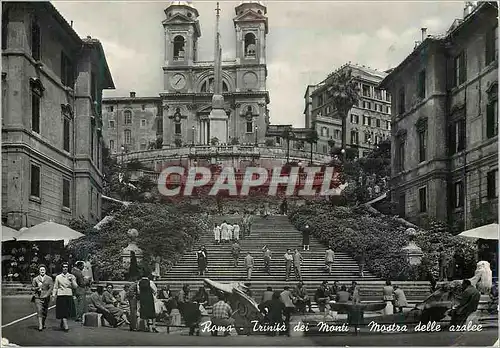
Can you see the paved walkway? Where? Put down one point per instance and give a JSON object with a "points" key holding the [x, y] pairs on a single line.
{"points": [[24, 333]]}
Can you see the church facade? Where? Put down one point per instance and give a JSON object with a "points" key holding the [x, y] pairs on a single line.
{"points": [[184, 105]]}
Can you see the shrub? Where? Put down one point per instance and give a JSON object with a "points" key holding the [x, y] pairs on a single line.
{"points": [[355, 229], [164, 230]]}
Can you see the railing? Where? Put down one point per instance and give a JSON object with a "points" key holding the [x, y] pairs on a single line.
{"points": [[193, 152]]}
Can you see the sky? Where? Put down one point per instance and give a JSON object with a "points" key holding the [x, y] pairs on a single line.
{"points": [[307, 40]]}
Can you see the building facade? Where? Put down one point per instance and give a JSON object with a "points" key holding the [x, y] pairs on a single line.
{"points": [[132, 123], [186, 98], [445, 122], [52, 84], [368, 123]]}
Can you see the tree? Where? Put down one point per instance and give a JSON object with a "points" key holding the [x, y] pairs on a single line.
{"points": [[344, 92], [288, 135], [312, 138]]}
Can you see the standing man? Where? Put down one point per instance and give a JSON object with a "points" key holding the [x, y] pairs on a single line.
{"points": [[267, 260], [305, 237], [288, 263], [81, 290], [249, 263], [249, 224], [329, 259], [132, 296], [235, 251], [287, 299], [297, 264]]}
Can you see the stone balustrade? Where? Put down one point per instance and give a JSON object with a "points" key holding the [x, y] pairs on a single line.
{"points": [[224, 151]]}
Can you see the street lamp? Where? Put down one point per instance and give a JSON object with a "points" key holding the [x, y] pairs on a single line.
{"points": [[193, 137], [256, 129]]}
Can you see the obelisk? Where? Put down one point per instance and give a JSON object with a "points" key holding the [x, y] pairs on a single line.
{"points": [[218, 117]]}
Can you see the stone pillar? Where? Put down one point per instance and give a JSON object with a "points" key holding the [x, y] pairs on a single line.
{"points": [[131, 247], [412, 251]]}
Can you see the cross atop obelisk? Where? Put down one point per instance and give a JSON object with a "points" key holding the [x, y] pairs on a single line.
{"points": [[218, 117]]}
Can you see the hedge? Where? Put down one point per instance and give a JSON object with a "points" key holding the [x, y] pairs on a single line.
{"points": [[354, 229], [164, 230]]}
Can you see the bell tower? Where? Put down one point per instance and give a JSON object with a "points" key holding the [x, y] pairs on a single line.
{"points": [[181, 30], [251, 28]]}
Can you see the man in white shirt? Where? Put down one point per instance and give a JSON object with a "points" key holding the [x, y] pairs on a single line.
{"points": [[249, 263], [288, 263]]}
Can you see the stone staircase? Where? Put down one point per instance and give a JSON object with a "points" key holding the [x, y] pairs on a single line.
{"points": [[279, 234]]}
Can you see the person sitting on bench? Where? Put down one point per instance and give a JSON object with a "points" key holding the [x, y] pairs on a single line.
{"points": [[96, 305]]}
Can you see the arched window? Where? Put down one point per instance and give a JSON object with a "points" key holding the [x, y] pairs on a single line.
{"points": [[179, 48], [208, 86], [127, 115], [250, 45]]}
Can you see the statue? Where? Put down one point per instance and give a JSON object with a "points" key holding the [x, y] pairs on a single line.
{"points": [[483, 279], [131, 247], [245, 308]]}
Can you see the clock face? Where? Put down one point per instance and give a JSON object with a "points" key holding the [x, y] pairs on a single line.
{"points": [[250, 79], [178, 81]]}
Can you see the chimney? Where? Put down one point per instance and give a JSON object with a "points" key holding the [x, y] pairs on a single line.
{"points": [[416, 44], [132, 94], [71, 24], [424, 33]]}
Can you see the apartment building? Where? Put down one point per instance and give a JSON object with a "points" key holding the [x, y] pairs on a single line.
{"points": [[445, 122], [52, 84]]}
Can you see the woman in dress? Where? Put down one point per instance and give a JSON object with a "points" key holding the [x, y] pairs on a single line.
{"points": [[63, 292], [202, 261], [236, 231], [388, 297], [147, 292], [216, 234], [42, 286]]}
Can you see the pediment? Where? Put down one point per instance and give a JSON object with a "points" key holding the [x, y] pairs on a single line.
{"points": [[250, 15], [178, 18], [204, 109]]}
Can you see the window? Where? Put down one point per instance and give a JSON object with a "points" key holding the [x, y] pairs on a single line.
{"points": [[325, 149], [278, 140], [492, 113], [456, 136], [402, 205], [388, 125], [367, 121], [387, 96], [250, 45], [337, 134], [354, 119], [110, 108], [66, 193], [366, 91], [378, 94], [378, 139], [377, 122], [178, 128], [35, 181], [388, 108], [422, 145], [5, 28], [354, 137], [111, 124], [368, 138], [66, 133], [401, 153], [422, 199], [320, 100], [492, 180], [421, 85], [179, 47], [249, 127], [143, 145], [325, 132], [93, 87], [458, 194], [459, 69], [35, 112], [127, 114], [367, 105], [401, 101], [35, 40], [127, 136], [328, 110], [143, 107], [66, 71], [112, 145], [143, 123], [491, 45]]}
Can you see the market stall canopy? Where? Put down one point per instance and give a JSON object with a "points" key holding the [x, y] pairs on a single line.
{"points": [[484, 232], [49, 231], [9, 234]]}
